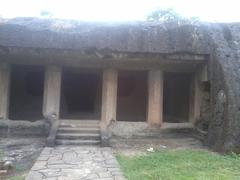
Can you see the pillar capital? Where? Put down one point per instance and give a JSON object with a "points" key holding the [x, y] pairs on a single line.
{"points": [[54, 68]]}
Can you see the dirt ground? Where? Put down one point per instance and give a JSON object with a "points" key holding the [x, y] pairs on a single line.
{"points": [[22, 152], [141, 146]]}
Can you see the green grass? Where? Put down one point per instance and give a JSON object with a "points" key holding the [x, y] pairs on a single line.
{"points": [[17, 177], [181, 165]]}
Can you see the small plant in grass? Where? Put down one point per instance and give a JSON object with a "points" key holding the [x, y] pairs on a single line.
{"points": [[234, 155]]}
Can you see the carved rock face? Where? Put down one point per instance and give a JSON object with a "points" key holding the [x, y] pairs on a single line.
{"points": [[221, 97]]}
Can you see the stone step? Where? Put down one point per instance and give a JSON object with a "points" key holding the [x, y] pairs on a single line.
{"points": [[79, 130], [79, 125], [82, 136], [80, 121], [77, 142]]}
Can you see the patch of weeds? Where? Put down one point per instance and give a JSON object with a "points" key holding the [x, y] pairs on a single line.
{"points": [[234, 155], [17, 177]]}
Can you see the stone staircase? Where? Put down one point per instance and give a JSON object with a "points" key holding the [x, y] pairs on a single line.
{"points": [[78, 132]]}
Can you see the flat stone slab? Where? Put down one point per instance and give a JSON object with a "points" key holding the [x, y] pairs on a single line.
{"points": [[76, 163]]}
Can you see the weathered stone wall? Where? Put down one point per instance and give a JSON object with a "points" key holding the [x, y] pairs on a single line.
{"points": [[224, 131], [122, 37], [127, 130], [9, 128]]}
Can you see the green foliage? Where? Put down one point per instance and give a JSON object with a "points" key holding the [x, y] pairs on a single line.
{"points": [[163, 15], [46, 13], [181, 165], [234, 155], [169, 15]]}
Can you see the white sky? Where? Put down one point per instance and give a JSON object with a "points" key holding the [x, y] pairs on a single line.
{"points": [[121, 10]]}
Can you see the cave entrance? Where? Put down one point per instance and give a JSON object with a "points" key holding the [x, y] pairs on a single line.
{"points": [[132, 96], [80, 94], [26, 92], [176, 97]]}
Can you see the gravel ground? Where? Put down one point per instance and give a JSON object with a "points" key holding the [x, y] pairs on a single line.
{"points": [[22, 152], [142, 145]]}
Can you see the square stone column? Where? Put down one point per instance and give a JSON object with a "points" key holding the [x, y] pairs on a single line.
{"points": [[52, 90], [4, 90], [195, 98], [155, 98], [109, 97]]}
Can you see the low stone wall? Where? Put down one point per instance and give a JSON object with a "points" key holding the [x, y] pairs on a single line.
{"points": [[10, 128], [120, 129]]}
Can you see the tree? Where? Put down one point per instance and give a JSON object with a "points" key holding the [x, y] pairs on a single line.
{"points": [[169, 15], [46, 14]]}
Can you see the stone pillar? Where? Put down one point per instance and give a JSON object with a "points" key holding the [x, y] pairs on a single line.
{"points": [[109, 103], [4, 90], [109, 97], [155, 98], [52, 90], [195, 98]]}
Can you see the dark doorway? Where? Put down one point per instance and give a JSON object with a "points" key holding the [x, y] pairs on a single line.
{"points": [[81, 94], [132, 96], [176, 95], [26, 92]]}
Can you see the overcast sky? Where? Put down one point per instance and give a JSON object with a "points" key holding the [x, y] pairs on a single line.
{"points": [[121, 10]]}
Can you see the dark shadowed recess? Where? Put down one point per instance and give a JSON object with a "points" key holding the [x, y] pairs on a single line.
{"points": [[80, 94], [132, 96], [26, 92], [176, 97]]}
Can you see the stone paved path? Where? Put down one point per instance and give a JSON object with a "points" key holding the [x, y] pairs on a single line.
{"points": [[76, 163]]}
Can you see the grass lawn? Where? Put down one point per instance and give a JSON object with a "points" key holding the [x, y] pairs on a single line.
{"points": [[182, 165], [18, 177]]}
